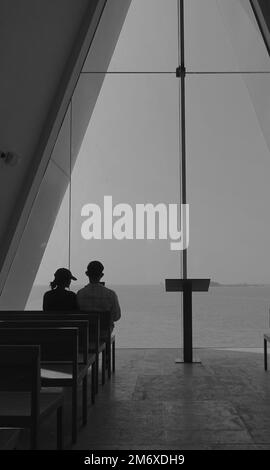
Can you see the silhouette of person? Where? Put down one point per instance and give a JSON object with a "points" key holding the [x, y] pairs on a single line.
{"points": [[58, 298], [95, 296]]}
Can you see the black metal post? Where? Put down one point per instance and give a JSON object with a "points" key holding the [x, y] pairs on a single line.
{"points": [[187, 293], [181, 73], [187, 322]]}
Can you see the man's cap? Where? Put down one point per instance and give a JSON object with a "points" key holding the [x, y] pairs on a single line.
{"points": [[63, 274], [95, 268]]}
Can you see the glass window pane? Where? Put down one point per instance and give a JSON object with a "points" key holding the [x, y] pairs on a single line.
{"points": [[130, 153], [52, 218], [148, 40], [228, 191], [25, 277], [223, 36], [56, 254], [61, 151]]}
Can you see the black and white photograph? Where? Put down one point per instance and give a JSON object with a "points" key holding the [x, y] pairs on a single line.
{"points": [[134, 230]]}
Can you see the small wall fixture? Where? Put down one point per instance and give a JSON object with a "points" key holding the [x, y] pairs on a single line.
{"points": [[9, 158]]}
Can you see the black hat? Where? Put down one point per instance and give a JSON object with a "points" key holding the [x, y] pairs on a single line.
{"points": [[63, 274], [95, 268]]}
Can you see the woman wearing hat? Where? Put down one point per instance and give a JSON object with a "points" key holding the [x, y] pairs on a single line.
{"points": [[59, 298]]}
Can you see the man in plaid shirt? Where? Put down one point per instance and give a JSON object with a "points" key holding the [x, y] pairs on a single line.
{"points": [[95, 296]]}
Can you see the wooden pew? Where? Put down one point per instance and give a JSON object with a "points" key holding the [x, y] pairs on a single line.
{"points": [[100, 334], [96, 346], [59, 361], [107, 336], [101, 339], [22, 403], [85, 357], [98, 338], [9, 438]]}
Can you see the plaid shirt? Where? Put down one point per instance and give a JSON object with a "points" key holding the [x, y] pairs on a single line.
{"points": [[98, 297]]}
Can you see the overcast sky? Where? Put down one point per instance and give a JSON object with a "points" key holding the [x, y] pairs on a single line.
{"points": [[130, 150]]}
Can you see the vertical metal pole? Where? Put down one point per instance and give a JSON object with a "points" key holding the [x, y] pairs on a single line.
{"points": [[181, 73], [187, 293], [70, 194], [187, 322]]}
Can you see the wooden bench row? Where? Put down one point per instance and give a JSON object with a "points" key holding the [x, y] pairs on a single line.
{"points": [[69, 344], [22, 403]]}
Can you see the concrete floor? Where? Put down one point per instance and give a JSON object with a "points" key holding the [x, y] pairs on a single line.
{"points": [[153, 403]]}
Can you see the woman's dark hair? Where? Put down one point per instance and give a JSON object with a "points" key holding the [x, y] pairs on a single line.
{"points": [[62, 278], [59, 283], [53, 284]]}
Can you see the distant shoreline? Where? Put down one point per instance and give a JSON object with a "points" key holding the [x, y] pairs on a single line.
{"points": [[212, 284], [218, 284]]}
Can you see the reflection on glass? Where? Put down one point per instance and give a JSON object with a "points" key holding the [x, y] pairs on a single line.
{"points": [[228, 181], [61, 151], [148, 40], [83, 105], [130, 152], [223, 36], [56, 254], [54, 245]]}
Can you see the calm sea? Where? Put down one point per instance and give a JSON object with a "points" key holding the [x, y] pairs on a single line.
{"points": [[151, 318]]}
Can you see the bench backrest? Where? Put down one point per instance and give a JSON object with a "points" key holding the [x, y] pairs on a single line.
{"points": [[56, 344], [94, 318], [81, 325], [105, 325], [20, 372]]}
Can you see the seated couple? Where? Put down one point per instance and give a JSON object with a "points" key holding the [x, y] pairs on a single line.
{"points": [[94, 296]]}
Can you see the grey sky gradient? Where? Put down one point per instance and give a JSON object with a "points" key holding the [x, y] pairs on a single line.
{"points": [[130, 150]]}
